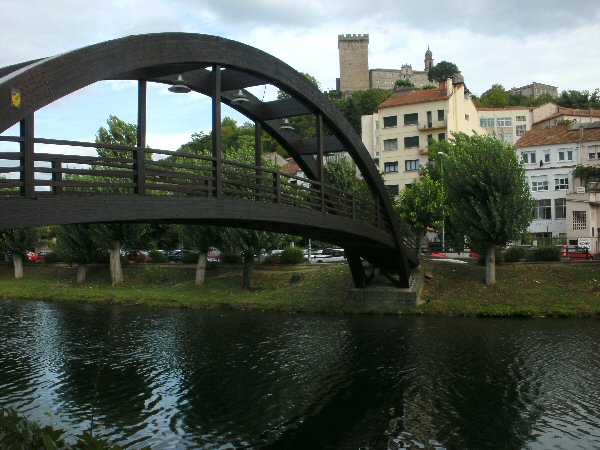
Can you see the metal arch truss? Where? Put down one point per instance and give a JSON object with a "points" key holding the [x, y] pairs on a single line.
{"points": [[221, 69]]}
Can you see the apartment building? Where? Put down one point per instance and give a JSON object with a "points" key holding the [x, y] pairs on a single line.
{"points": [[397, 136], [507, 124], [550, 115], [565, 207]]}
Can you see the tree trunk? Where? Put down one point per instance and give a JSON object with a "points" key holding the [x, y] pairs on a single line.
{"points": [[116, 272], [200, 269], [490, 265], [18, 265], [81, 273], [247, 272]]}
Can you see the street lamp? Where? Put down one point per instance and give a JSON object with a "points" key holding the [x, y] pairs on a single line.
{"points": [[441, 155]]}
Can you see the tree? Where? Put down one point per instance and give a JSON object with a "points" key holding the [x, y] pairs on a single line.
{"points": [[251, 243], [118, 132], [342, 175], [200, 237], [442, 71], [488, 196], [495, 97], [421, 205], [361, 103], [18, 242], [404, 83], [76, 244]]}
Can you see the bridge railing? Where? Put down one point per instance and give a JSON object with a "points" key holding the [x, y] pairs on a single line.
{"points": [[117, 171]]}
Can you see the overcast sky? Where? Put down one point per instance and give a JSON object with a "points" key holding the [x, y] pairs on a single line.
{"points": [[508, 42]]}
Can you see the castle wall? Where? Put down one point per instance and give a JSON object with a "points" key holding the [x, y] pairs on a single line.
{"points": [[386, 78]]}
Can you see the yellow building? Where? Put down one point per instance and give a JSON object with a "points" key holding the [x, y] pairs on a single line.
{"points": [[397, 135]]}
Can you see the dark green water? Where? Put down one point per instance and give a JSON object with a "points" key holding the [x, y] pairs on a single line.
{"points": [[223, 379]]}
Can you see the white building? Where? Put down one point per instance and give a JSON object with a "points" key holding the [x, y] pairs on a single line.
{"points": [[564, 207], [508, 124], [397, 135]]}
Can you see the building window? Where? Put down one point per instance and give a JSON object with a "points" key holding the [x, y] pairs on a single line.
{"points": [[411, 141], [429, 139], [467, 117], [442, 137], [411, 119], [565, 154], [520, 119], [594, 151], [539, 184], [389, 167], [441, 114], [376, 162], [529, 157], [393, 189], [506, 137], [561, 182], [579, 220], [390, 144], [521, 129], [546, 156], [377, 142], [390, 122], [411, 165], [377, 124], [542, 209], [487, 122], [504, 122], [560, 208]]}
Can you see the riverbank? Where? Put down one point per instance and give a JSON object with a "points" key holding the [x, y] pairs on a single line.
{"points": [[523, 290]]}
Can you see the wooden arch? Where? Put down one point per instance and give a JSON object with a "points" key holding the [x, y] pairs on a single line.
{"points": [[219, 68]]}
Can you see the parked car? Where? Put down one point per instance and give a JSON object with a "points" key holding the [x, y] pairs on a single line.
{"points": [[575, 252], [214, 255], [330, 255], [427, 252], [137, 256], [36, 256]]}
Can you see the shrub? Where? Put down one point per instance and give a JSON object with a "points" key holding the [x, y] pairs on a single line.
{"points": [[514, 254], [546, 253], [291, 255], [54, 257], [189, 258], [158, 257], [231, 258], [156, 274]]}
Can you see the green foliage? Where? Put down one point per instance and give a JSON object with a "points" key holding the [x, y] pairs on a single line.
{"points": [[489, 199], [54, 257], [515, 253], [76, 243], [442, 71], [158, 257], [19, 240], [232, 258], [495, 97], [361, 103], [17, 432], [189, 258], [579, 99], [421, 205], [342, 175], [587, 173], [118, 132], [251, 242], [405, 83], [546, 253], [292, 255], [200, 237]]}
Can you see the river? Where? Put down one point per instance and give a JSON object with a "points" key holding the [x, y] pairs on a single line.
{"points": [[172, 378]]}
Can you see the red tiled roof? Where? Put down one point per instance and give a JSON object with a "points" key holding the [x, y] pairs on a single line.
{"points": [[571, 112], [507, 108], [558, 135], [291, 168], [428, 95]]}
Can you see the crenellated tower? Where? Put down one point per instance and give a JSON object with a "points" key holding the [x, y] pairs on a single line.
{"points": [[354, 62]]}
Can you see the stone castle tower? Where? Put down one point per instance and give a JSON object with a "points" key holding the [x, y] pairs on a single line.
{"points": [[354, 62], [355, 74]]}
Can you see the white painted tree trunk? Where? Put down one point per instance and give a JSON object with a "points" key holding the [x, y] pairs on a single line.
{"points": [[81, 273], [490, 265], [18, 265], [201, 269], [116, 272]]}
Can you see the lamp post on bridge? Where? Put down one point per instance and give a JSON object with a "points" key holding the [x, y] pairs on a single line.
{"points": [[441, 155]]}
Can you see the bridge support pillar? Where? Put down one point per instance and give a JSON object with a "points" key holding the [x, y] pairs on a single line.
{"points": [[359, 276]]}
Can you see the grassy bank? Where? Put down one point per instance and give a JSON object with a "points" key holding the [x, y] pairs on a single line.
{"points": [[526, 290]]}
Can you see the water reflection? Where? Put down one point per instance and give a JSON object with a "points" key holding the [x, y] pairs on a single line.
{"points": [[224, 379]]}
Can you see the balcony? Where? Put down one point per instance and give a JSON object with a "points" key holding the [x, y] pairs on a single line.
{"points": [[433, 125]]}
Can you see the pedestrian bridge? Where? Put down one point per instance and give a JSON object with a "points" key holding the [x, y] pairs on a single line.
{"points": [[134, 183]]}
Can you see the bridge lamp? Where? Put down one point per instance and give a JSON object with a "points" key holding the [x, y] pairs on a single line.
{"points": [[179, 87], [286, 125], [239, 98]]}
